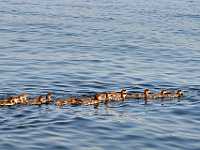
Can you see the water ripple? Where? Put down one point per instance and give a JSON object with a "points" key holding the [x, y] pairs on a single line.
{"points": [[82, 47]]}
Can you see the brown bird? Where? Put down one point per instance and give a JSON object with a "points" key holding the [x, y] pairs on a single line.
{"points": [[10, 101], [102, 97], [74, 101], [23, 98], [68, 101], [49, 98], [117, 96], [38, 100], [60, 102], [89, 100], [172, 94]]}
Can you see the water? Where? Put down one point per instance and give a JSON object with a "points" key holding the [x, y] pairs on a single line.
{"points": [[82, 47]]}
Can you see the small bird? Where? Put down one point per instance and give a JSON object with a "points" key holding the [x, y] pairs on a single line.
{"points": [[23, 98], [172, 94], [49, 98], [147, 95], [135, 95], [38, 100], [138, 95], [68, 101], [73, 101], [60, 102], [89, 101], [117, 96], [10, 101], [102, 97]]}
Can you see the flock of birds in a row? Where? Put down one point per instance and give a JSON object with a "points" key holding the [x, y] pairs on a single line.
{"points": [[104, 97]]}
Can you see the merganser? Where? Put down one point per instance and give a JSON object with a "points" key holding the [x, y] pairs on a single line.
{"points": [[117, 96], [23, 98], [89, 101], [138, 95], [68, 101], [10, 101], [49, 98], [101, 97], [60, 102], [38, 100], [170, 94]]}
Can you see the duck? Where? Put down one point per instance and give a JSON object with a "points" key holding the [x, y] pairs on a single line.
{"points": [[13, 100], [89, 101], [139, 95], [117, 96], [162, 94], [68, 101], [1, 102], [23, 98], [134, 95], [10, 101], [152, 96], [38, 100], [73, 101], [179, 93], [172, 94], [123, 94], [42, 99], [49, 98], [147, 95], [60, 102], [101, 97]]}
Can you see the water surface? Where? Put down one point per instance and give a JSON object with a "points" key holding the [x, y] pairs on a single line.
{"points": [[82, 47]]}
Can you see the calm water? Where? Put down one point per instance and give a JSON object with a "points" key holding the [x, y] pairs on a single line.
{"points": [[84, 46]]}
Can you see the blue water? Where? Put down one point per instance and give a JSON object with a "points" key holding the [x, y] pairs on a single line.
{"points": [[81, 47]]}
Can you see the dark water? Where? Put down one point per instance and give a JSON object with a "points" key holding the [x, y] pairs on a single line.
{"points": [[84, 46]]}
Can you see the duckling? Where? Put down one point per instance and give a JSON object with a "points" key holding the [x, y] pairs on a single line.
{"points": [[170, 94], [23, 98], [1, 102], [123, 94], [117, 96], [138, 95], [153, 96], [135, 95], [60, 102], [110, 96], [147, 95], [68, 101], [49, 98], [89, 101], [163, 94], [74, 101], [38, 100], [9, 103], [42, 99], [13, 100], [101, 97], [179, 93]]}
